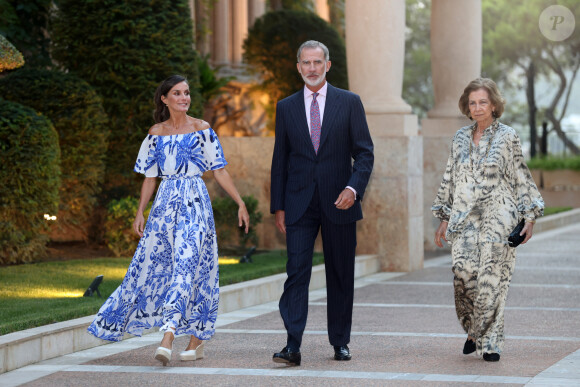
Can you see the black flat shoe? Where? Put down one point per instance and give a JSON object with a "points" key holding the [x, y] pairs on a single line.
{"points": [[491, 356], [341, 352], [469, 347], [287, 356]]}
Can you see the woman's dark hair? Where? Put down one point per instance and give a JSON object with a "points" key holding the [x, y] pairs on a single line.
{"points": [[161, 111], [492, 90]]}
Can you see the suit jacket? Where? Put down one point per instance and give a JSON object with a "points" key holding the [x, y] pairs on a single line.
{"points": [[297, 170]]}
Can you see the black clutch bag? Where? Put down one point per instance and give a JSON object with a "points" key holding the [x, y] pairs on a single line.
{"points": [[515, 238]]}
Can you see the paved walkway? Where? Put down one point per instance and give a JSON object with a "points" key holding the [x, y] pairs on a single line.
{"points": [[404, 333]]}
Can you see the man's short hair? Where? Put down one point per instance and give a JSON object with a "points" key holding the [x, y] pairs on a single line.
{"points": [[313, 44]]}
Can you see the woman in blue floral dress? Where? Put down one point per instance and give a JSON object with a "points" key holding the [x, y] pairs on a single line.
{"points": [[173, 280]]}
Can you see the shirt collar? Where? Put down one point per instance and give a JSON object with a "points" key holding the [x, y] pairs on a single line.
{"points": [[322, 91]]}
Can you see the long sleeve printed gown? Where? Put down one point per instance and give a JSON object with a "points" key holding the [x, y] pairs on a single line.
{"points": [[486, 190], [173, 280]]}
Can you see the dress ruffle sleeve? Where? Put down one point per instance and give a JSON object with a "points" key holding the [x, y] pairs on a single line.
{"points": [[443, 203], [528, 198], [214, 154], [146, 162]]}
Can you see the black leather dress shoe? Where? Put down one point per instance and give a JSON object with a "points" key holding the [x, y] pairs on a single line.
{"points": [[287, 356], [341, 352], [469, 347], [491, 356]]}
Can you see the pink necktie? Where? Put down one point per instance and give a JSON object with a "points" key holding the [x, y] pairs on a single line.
{"points": [[315, 123]]}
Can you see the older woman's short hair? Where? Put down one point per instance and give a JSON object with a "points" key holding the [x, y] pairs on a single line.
{"points": [[492, 90]]}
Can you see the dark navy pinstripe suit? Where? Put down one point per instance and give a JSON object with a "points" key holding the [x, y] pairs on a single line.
{"points": [[305, 185]]}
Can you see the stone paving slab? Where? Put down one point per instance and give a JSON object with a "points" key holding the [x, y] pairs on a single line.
{"points": [[525, 273], [74, 379], [424, 319], [414, 355]]}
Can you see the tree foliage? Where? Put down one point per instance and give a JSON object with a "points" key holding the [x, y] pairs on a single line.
{"points": [[76, 112], [125, 49], [119, 234], [417, 84], [24, 23], [225, 212], [273, 42], [30, 175], [511, 38], [10, 57]]}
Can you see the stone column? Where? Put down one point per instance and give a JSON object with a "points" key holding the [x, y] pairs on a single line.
{"points": [[256, 8], [239, 29], [193, 18], [455, 61], [375, 47], [322, 9], [202, 38], [221, 32]]}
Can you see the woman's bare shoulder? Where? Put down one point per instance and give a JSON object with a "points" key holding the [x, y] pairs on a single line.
{"points": [[200, 124], [156, 129]]}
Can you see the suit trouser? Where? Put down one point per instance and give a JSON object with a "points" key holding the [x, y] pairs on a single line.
{"points": [[339, 244]]}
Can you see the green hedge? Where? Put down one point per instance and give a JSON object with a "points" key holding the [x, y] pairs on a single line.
{"points": [[10, 57], [30, 175], [24, 23], [122, 240], [125, 49], [77, 114], [225, 212], [550, 163], [119, 234], [273, 42]]}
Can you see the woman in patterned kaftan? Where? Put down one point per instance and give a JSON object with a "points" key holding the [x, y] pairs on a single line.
{"points": [[486, 190], [173, 280]]}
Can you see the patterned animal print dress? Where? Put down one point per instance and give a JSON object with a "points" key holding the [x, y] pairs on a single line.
{"points": [[486, 190]]}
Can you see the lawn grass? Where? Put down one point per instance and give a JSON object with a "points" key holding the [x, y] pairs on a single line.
{"points": [[37, 294], [555, 210]]}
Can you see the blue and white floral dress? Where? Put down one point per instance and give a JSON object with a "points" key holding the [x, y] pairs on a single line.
{"points": [[173, 279]]}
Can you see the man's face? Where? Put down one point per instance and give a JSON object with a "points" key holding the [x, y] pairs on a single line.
{"points": [[312, 66]]}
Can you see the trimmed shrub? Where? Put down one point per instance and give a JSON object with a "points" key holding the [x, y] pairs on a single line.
{"points": [[77, 114], [10, 57], [24, 23], [125, 49], [119, 234], [30, 175], [225, 212], [122, 240], [272, 44]]}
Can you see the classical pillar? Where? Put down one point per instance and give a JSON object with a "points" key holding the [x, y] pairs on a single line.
{"points": [[256, 8], [193, 18], [201, 27], [375, 48], [221, 34], [455, 52], [239, 29], [455, 61], [322, 9]]}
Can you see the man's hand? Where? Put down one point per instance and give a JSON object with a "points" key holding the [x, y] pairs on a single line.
{"points": [[345, 199], [280, 222]]}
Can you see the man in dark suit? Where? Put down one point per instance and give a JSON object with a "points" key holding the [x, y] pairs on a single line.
{"points": [[316, 186]]}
